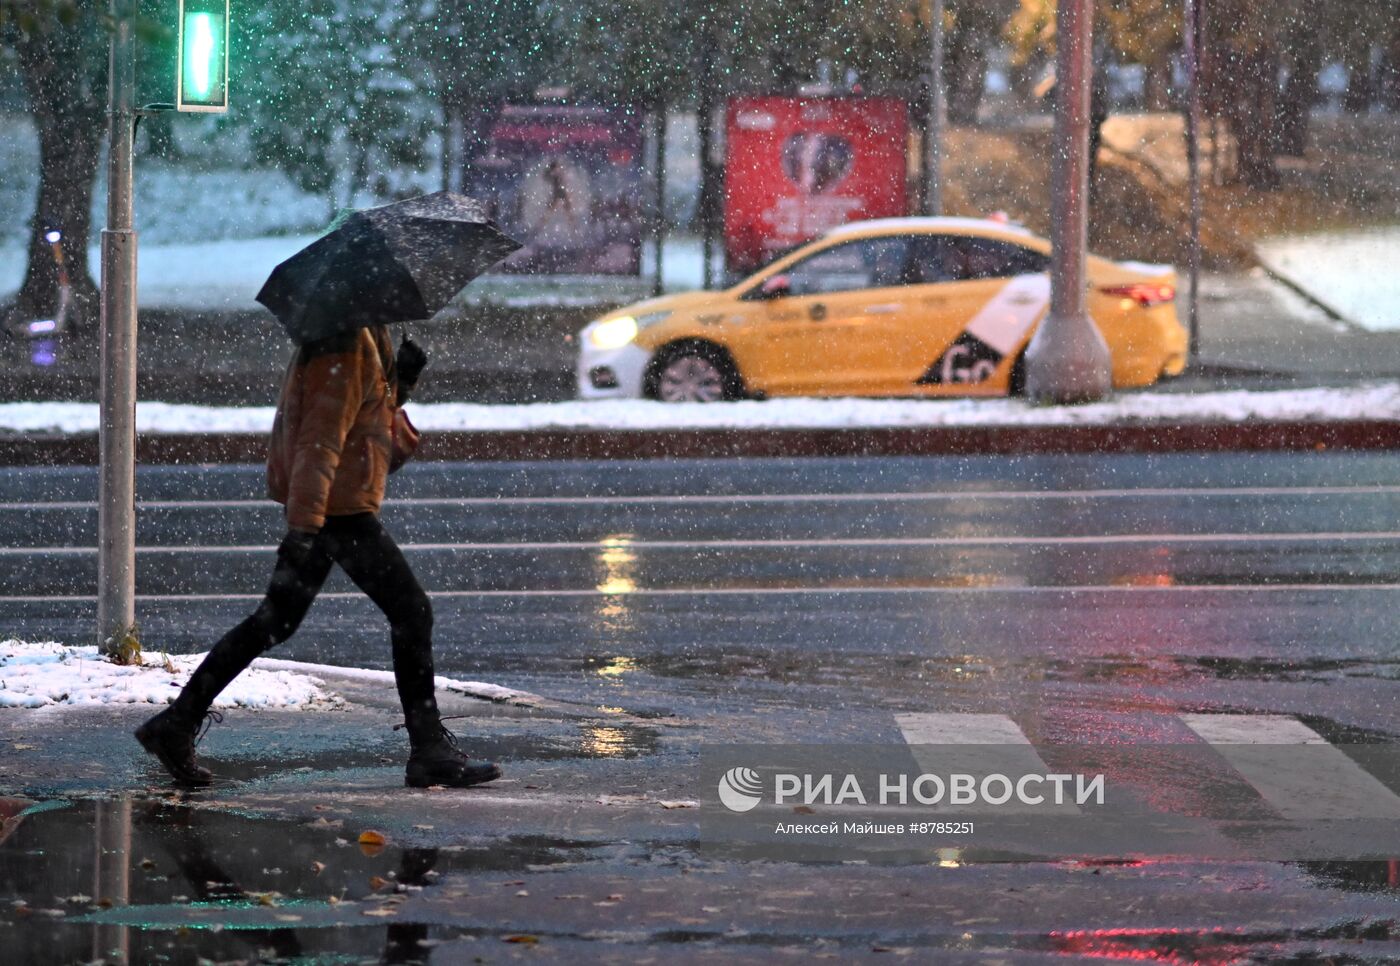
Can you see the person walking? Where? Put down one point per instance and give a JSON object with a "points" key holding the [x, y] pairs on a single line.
{"points": [[328, 459]]}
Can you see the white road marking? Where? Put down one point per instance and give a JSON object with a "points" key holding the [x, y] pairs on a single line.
{"points": [[709, 499], [978, 745], [1320, 783], [614, 543], [960, 729], [1071, 589]]}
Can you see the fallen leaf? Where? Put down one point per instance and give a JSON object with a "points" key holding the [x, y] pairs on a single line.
{"points": [[521, 894], [20, 746], [79, 899], [804, 810], [148, 863], [572, 895], [287, 917], [424, 828], [381, 911], [615, 897], [318, 867], [372, 842], [679, 804], [530, 940], [377, 882]]}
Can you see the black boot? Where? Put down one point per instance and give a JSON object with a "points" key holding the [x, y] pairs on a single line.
{"points": [[171, 738], [441, 762]]}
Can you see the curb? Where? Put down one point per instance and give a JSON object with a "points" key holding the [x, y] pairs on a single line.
{"points": [[593, 444]]}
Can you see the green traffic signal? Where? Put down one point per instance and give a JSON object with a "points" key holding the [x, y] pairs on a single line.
{"points": [[202, 81]]}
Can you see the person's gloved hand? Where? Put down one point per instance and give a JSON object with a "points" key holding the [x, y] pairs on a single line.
{"points": [[296, 547], [409, 362]]}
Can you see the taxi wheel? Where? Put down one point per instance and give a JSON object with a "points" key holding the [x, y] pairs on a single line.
{"points": [[694, 373]]}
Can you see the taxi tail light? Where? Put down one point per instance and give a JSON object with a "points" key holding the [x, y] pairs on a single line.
{"points": [[1145, 294]]}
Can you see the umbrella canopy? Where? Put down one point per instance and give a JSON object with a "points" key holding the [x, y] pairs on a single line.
{"points": [[395, 263]]}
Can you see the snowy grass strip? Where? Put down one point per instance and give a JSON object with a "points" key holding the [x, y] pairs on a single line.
{"points": [[1371, 402], [43, 674]]}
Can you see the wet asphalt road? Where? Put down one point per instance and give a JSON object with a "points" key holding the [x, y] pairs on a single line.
{"points": [[664, 606]]}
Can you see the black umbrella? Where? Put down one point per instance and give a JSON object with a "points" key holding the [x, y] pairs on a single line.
{"points": [[395, 263]]}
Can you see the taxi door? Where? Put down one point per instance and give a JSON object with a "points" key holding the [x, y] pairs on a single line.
{"points": [[830, 333]]}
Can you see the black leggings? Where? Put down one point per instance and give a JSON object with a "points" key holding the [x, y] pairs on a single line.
{"points": [[365, 551]]}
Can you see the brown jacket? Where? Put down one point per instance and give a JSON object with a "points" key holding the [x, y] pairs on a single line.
{"points": [[329, 452]]}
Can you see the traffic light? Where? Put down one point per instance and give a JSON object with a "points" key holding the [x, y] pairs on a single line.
{"points": [[201, 82]]}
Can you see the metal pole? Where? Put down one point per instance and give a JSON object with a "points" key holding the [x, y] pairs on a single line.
{"points": [[937, 114], [116, 515], [707, 185], [1193, 151], [658, 279], [1068, 360]]}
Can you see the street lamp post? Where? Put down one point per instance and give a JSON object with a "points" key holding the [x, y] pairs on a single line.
{"points": [[1068, 360], [1192, 36], [937, 114], [116, 514]]}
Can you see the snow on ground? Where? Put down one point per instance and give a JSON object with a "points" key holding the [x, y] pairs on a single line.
{"points": [[1353, 271], [1375, 401], [225, 275], [47, 673], [36, 675], [471, 689]]}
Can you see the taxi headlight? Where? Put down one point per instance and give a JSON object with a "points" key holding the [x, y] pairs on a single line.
{"points": [[614, 333]]}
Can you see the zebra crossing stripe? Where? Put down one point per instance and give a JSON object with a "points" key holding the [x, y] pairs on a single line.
{"points": [[1319, 783], [978, 745]]}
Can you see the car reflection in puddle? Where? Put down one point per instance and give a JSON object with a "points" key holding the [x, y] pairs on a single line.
{"points": [[146, 880]]}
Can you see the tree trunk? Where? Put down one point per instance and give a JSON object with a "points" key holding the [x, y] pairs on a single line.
{"points": [[1252, 114], [1360, 89], [1157, 79], [1388, 86], [966, 78], [66, 102], [1299, 95]]}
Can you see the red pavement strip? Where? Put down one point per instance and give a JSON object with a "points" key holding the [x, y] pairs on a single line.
{"points": [[562, 444]]}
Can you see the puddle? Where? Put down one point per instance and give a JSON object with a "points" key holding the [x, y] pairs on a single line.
{"points": [[1377, 877], [142, 880], [1298, 671]]}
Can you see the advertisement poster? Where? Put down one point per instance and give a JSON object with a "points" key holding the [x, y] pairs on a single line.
{"points": [[797, 167], [567, 183]]}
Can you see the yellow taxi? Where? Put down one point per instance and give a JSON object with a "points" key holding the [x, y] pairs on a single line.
{"points": [[892, 307]]}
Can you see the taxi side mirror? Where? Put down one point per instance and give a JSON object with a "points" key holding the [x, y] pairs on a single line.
{"points": [[777, 287]]}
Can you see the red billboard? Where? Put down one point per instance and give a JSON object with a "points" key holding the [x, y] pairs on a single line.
{"points": [[798, 166]]}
